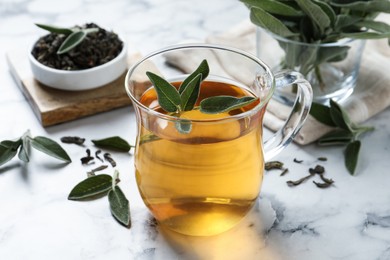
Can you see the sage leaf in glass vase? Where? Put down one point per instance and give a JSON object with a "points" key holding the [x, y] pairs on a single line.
{"points": [[323, 40]]}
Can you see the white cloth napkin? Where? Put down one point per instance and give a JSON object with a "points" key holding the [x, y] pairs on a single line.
{"points": [[371, 95]]}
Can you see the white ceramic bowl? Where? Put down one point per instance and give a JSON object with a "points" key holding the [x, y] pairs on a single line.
{"points": [[78, 80]]}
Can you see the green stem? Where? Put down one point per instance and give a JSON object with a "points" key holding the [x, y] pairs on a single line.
{"points": [[319, 77]]}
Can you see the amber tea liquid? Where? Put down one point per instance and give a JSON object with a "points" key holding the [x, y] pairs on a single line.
{"points": [[204, 182]]}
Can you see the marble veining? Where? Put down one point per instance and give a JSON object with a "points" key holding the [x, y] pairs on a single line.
{"points": [[350, 220]]}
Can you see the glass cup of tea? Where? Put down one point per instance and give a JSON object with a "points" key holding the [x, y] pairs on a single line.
{"points": [[203, 181]]}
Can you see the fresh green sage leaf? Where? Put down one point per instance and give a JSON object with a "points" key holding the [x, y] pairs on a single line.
{"points": [[74, 39], [54, 29], [359, 130], [190, 94], [202, 69], [12, 144], [374, 25], [220, 104], [119, 206], [343, 20], [6, 154], [340, 116], [24, 151], [50, 147], [352, 156], [336, 137], [114, 142], [321, 113], [24, 154], [168, 97], [332, 54], [366, 6], [91, 187], [316, 14], [366, 35], [267, 21], [327, 9], [274, 7]]}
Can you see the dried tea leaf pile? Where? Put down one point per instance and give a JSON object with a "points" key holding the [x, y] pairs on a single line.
{"points": [[95, 49]]}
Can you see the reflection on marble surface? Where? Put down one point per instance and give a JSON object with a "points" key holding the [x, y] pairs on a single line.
{"points": [[350, 220]]}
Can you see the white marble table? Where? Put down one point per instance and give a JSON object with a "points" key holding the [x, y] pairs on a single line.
{"points": [[350, 220]]}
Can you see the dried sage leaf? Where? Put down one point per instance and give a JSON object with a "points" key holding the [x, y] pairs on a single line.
{"points": [[301, 180], [322, 185], [273, 165], [72, 140]]}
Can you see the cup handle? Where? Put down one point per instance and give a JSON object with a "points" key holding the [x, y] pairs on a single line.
{"points": [[300, 110]]}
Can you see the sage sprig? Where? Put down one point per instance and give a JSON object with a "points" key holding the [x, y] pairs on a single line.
{"points": [[346, 132], [317, 22], [74, 35], [175, 101], [96, 186], [22, 146]]}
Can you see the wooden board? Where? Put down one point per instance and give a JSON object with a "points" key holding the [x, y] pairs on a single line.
{"points": [[53, 106]]}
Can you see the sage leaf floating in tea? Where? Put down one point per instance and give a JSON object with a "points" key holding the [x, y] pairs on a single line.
{"points": [[119, 205], [91, 187], [203, 69], [183, 126], [190, 93], [114, 142], [219, 104], [176, 101], [168, 96]]}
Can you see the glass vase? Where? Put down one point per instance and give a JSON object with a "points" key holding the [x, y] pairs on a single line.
{"points": [[331, 68]]}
